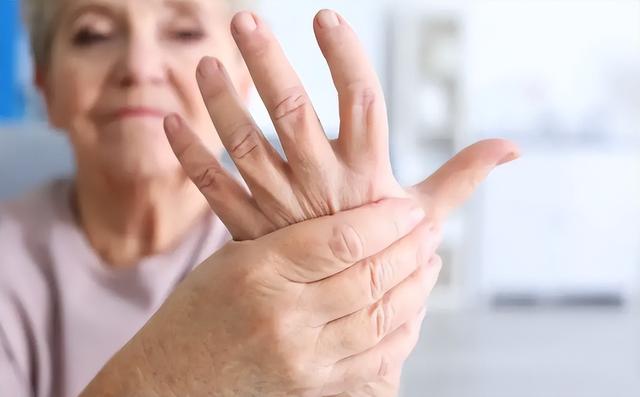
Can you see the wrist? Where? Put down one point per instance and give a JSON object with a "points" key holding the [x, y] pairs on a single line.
{"points": [[128, 373]]}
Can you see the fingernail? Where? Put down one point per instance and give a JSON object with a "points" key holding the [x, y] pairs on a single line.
{"points": [[208, 67], [509, 157], [244, 22], [172, 123], [415, 217], [328, 19]]}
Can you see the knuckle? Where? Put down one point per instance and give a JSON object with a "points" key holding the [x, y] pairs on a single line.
{"points": [[362, 94], [294, 367], [210, 179], [291, 361], [412, 335], [275, 325], [244, 141], [346, 244], [379, 275], [384, 366], [382, 318], [292, 107]]}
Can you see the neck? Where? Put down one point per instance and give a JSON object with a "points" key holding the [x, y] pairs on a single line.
{"points": [[127, 220]]}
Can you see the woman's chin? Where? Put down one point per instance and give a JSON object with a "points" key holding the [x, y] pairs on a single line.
{"points": [[144, 163], [136, 159], [132, 149]]}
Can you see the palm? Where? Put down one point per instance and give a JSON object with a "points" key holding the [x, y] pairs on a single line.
{"points": [[319, 177]]}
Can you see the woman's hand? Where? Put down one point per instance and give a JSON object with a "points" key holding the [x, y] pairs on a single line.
{"points": [[298, 312], [319, 176]]}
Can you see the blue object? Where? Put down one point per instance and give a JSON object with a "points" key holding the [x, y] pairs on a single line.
{"points": [[12, 103]]}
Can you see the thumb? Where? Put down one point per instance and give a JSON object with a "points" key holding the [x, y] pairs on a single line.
{"points": [[453, 183]]}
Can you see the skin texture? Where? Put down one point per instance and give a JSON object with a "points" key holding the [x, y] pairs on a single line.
{"points": [[134, 199], [108, 58], [267, 318], [319, 177]]}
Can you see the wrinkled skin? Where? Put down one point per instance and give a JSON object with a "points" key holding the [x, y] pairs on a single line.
{"points": [[319, 176], [318, 308]]}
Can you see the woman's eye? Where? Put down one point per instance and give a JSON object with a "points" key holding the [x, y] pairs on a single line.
{"points": [[188, 35], [87, 37]]}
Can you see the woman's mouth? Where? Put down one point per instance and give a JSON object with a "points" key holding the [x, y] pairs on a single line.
{"points": [[139, 111]]}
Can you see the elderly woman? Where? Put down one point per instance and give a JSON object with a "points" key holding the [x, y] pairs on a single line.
{"points": [[322, 291]]}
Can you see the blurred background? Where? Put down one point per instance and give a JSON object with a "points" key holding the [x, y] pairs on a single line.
{"points": [[540, 291]]}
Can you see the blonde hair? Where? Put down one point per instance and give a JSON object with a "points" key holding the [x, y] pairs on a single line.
{"points": [[40, 15]]}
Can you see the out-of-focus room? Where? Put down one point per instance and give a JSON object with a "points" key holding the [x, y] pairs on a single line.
{"points": [[540, 288]]}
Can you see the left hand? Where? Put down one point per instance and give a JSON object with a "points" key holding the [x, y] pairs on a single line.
{"points": [[320, 176]]}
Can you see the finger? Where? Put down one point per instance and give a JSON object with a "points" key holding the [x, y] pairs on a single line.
{"points": [[375, 364], [257, 161], [366, 328], [313, 250], [286, 100], [369, 280], [454, 182], [227, 198], [388, 384], [363, 116]]}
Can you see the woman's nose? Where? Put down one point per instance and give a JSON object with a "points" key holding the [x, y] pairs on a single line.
{"points": [[141, 62]]}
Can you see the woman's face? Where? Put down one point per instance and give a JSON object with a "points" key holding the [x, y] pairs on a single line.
{"points": [[117, 67]]}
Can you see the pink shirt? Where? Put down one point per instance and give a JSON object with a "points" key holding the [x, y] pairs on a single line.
{"points": [[63, 311]]}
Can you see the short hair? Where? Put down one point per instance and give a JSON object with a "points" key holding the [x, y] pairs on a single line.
{"points": [[40, 15]]}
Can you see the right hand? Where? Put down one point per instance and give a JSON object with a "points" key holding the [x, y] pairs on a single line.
{"points": [[319, 176], [313, 309]]}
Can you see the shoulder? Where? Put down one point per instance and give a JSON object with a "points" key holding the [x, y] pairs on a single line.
{"points": [[26, 288], [27, 224], [30, 210], [34, 213]]}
